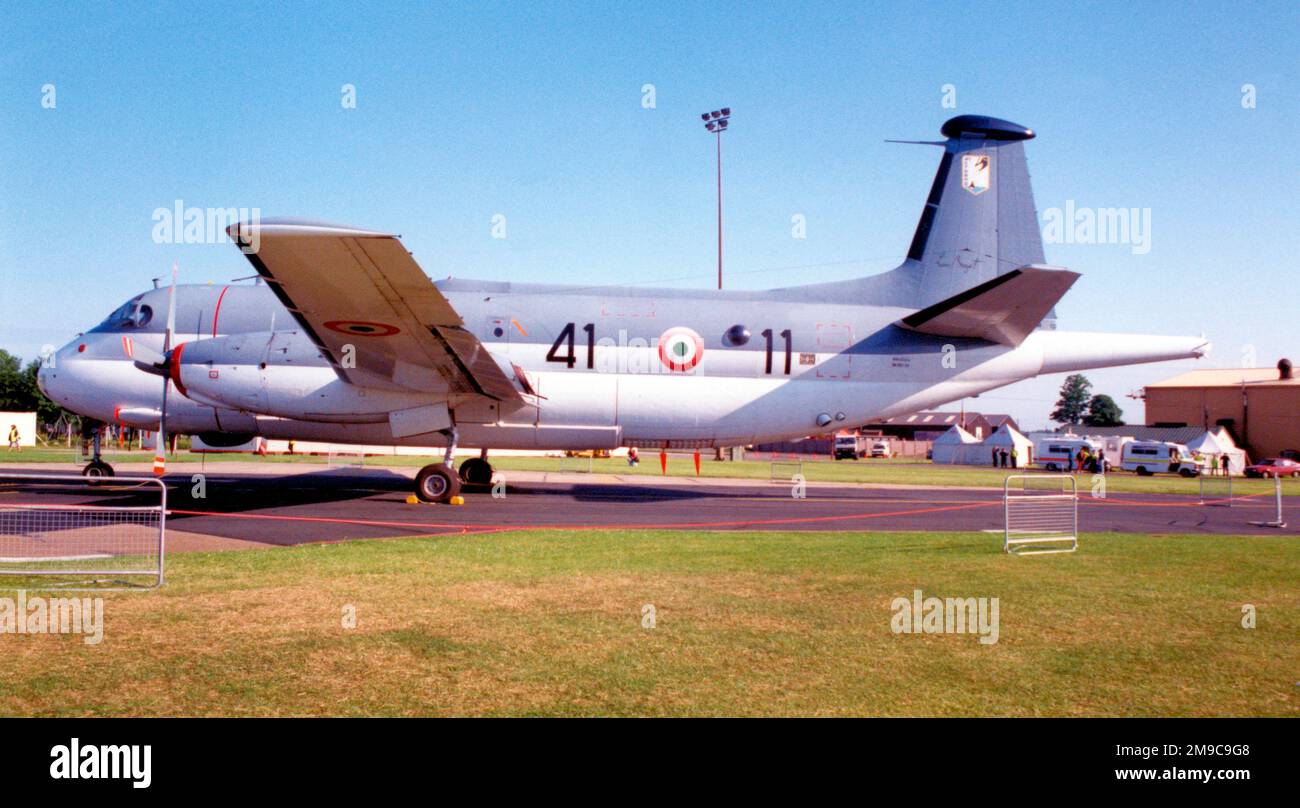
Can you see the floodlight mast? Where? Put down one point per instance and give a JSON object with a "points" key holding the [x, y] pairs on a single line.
{"points": [[716, 122]]}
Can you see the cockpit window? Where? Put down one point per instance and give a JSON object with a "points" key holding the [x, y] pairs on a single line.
{"points": [[132, 314]]}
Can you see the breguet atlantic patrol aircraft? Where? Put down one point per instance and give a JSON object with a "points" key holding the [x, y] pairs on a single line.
{"points": [[345, 339]]}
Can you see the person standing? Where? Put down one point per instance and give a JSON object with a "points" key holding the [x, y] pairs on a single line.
{"points": [[995, 457], [14, 444], [1015, 457], [1226, 463]]}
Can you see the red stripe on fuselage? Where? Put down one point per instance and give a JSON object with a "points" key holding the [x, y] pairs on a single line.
{"points": [[217, 312]]}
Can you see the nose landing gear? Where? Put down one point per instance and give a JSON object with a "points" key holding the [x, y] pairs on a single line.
{"points": [[96, 467]]}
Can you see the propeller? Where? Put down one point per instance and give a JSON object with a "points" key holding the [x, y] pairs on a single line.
{"points": [[163, 368]]}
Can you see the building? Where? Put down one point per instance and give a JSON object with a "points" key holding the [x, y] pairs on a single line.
{"points": [[929, 425], [908, 435], [1259, 407]]}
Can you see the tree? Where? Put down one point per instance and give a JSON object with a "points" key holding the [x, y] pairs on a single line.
{"points": [[1103, 411], [1073, 403], [13, 385], [19, 391]]}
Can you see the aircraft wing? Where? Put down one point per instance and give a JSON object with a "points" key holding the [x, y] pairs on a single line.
{"points": [[1005, 309], [370, 308]]}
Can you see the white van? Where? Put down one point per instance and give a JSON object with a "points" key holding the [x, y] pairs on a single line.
{"points": [[849, 446], [1058, 454], [1147, 457]]}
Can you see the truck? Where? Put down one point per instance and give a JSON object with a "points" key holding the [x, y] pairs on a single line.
{"points": [[1147, 457], [1058, 454], [850, 446]]}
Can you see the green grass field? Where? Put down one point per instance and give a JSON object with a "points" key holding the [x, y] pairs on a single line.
{"points": [[888, 472], [550, 623]]}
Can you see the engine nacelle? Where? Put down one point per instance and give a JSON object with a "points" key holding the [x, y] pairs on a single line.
{"points": [[282, 374]]}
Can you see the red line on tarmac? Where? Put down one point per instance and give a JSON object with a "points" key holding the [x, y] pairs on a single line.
{"points": [[323, 519], [1140, 504], [644, 526]]}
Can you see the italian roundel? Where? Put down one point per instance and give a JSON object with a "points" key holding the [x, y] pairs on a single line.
{"points": [[680, 349]]}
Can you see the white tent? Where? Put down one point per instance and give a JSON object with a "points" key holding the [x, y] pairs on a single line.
{"points": [[956, 446], [1008, 438], [1220, 444]]}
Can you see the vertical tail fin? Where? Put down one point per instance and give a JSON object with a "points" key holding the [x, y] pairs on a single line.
{"points": [[979, 221]]}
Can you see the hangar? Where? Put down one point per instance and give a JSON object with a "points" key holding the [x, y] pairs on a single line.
{"points": [[1260, 407]]}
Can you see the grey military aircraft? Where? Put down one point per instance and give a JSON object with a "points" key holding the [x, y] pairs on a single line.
{"points": [[343, 338]]}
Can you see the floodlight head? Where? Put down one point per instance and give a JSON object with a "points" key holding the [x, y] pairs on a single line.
{"points": [[722, 124], [716, 114], [726, 111], [705, 116], [710, 126]]}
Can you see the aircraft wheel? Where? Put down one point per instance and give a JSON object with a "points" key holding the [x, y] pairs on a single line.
{"points": [[436, 483], [476, 471], [97, 468]]}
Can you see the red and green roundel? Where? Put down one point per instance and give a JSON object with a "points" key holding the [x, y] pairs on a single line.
{"points": [[680, 349]]}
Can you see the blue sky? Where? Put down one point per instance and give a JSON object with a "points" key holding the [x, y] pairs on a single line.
{"points": [[468, 111]]}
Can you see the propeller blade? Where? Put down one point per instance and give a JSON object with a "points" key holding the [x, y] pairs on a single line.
{"points": [[158, 368], [171, 312], [160, 449]]}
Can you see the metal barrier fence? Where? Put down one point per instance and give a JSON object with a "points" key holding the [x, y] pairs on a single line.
{"points": [[1277, 521], [1214, 490], [783, 471], [576, 465], [346, 456], [1041, 514], [69, 531]]}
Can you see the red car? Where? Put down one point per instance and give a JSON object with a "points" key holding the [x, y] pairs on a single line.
{"points": [[1274, 467]]}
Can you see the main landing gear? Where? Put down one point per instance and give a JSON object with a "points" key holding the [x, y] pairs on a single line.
{"points": [[436, 483], [477, 471], [96, 467], [439, 482]]}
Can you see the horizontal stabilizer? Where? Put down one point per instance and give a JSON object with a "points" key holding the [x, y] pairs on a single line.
{"points": [[1005, 309]]}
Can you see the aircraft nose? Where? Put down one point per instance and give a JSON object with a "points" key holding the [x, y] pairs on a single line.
{"points": [[56, 376]]}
